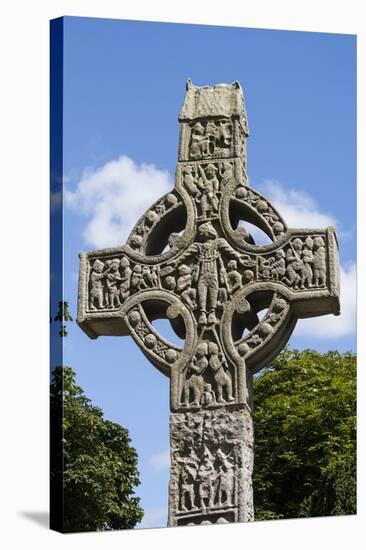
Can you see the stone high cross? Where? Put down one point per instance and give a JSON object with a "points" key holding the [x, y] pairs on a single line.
{"points": [[191, 260]]}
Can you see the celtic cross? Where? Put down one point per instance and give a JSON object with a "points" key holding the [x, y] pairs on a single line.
{"points": [[235, 303]]}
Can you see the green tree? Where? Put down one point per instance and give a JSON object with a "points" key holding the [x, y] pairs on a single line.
{"points": [[305, 436], [97, 471]]}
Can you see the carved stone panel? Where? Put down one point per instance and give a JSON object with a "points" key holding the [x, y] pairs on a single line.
{"points": [[212, 462]]}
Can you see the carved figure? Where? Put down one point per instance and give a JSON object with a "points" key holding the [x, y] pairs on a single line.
{"points": [[187, 478], [136, 241], [137, 282], [189, 180], [227, 173], [198, 145], [208, 396], [278, 267], [207, 253], [278, 229], [206, 479], [184, 285], [233, 277], [149, 276], [274, 267], [160, 208], [208, 187], [96, 289], [141, 229], [307, 257], [170, 283], [195, 382], [225, 479], [294, 263], [319, 262], [173, 239], [222, 378], [125, 277], [113, 277], [211, 133]]}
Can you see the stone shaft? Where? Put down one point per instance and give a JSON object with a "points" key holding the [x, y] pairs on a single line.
{"points": [[211, 467]]}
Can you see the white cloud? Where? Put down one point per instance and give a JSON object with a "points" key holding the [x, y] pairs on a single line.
{"points": [[155, 517], [332, 327], [297, 208], [113, 197], [160, 461]]}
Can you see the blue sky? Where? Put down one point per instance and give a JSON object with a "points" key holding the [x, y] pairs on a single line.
{"points": [[124, 84]]}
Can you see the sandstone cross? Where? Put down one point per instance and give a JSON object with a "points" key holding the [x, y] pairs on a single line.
{"points": [[234, 303]]}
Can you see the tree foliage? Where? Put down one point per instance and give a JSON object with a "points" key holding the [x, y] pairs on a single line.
{"points": [[99, 466], [305, 436]]}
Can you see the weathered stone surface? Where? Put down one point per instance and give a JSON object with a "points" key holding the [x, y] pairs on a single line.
{"points": [[190, 260], [211, 467]]}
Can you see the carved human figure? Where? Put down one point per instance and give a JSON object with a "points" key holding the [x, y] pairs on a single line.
{"points": [[198, 145], [225, 479], [126, 273], [113, 278], [227, 173], [149, 276], [137, 282], [195, 382], [189, 180], [294, 263], [233, 277], [141, 228], [319, 262], [208, 396], [223, 379], [188, 474], [206, 479], [208, 187], [307, 257], [278, 267], [207, 253], [160, 208], [278, 229], [211, 135], [170, 283], [96, 288], [184, 285]]}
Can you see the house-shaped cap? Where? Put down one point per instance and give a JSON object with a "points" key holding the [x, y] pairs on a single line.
{"points": [[221, 100]]}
